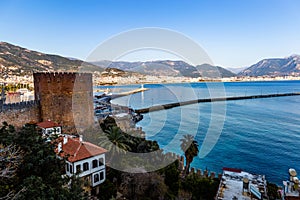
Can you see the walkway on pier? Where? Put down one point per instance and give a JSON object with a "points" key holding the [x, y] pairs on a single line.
{"points": [[183, 103], [114, 96]]}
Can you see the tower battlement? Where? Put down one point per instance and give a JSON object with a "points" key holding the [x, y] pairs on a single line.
{"points": [[20, 113], [18, 105]]}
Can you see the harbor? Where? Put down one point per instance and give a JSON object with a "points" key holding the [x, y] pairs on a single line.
{"points": [[103, 107]]}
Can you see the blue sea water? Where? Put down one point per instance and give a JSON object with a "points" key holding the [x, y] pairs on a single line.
{"points": [[257, 135]]}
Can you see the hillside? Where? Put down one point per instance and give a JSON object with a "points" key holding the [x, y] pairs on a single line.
{"points": [[168, 68], [210, 71], [274, 67], [15, 60], [114, 72]]}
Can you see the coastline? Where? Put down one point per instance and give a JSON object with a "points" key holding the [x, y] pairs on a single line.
{"points": [[192, 80]]}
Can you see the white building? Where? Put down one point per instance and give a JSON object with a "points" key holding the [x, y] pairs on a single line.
{"points": [[291, 187], [49, 128], [237, 184], [84, 159]]}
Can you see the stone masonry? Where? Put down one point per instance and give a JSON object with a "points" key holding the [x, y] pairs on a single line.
{"points": [[66, 98]]}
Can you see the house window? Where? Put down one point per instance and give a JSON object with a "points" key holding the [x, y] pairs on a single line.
{"points": [[71, 169], [95, 163], [67, 167], [85, 166], [96, 178], [101, 175], [78, 168], [101, 161]]}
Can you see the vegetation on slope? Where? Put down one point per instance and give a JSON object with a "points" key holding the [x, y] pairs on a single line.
{"points": [[35, 172]]}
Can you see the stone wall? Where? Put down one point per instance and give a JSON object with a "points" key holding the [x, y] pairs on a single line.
{"points": [[19, 114]]}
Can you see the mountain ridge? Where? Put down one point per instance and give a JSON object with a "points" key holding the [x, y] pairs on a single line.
{"points": [[16, 60], [175, 68], [274, 67]]}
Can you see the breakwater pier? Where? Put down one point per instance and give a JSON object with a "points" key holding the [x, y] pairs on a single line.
{"points": [[207, 100], [114, 96]]}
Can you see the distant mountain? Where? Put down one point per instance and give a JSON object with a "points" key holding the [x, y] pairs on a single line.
{"points": [[274, 67], [15, 60], [168, 68], [210, 71], [236, 70]]}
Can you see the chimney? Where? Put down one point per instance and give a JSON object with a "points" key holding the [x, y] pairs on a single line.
{"points": [[65, 139], [59, 147], [80, 138]]}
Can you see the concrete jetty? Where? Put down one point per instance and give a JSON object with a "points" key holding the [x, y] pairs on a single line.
{"points": [[113, 96], [183, 103]]}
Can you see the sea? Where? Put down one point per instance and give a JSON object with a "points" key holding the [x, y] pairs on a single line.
{"points": [[260, 136]]}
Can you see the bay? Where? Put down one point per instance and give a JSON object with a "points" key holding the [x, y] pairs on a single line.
{"points": [[261, 136]]}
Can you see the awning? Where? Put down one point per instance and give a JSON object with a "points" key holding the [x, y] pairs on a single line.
{"points": [[292, 172]]}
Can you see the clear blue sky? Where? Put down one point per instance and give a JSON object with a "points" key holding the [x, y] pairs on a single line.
{"points": [[234, 33]]}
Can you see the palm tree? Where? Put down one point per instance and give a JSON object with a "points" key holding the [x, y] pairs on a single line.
{"points": [[190, 148], [114, 141]]}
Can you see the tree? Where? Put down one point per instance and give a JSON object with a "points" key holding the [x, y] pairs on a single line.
{"points": [[39, 172], [171, 173], [7, 133], [272, 191], [190, 148], [10, 159], [114, 141], [199, 187], [107, 190], [143, 186]]}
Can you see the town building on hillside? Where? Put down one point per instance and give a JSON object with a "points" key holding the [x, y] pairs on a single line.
{"points": [[49, 128], [84, 159], [237, 184]]}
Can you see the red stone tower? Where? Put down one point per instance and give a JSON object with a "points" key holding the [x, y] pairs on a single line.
{"points": [[66, 98]]}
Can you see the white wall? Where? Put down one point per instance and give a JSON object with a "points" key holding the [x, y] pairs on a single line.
{"points": [[49, 131], [100, 180], [90, 166]]}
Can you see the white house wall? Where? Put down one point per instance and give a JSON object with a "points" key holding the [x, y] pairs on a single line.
{"points": [[51, 130], [90, 164], [94, 183]]}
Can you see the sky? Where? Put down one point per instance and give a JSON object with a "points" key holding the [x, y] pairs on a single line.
{"points": [[233, 33]]}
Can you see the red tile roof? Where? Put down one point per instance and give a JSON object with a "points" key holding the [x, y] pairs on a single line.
{"points": [[47, 124], [78, 150]]}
